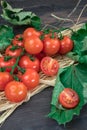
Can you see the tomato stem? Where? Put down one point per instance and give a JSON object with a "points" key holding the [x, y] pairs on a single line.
{"points": [[6, 58], [15, 78], [15, 65], [13, 48], [21, 69]]}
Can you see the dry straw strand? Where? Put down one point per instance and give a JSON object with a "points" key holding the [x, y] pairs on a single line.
{"points": [[75, 8]]}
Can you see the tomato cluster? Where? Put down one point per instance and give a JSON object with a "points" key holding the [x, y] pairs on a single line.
{"points": [[28, 54]]}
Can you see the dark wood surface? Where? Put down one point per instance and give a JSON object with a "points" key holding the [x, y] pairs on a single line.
{"points": [[32, 115]]}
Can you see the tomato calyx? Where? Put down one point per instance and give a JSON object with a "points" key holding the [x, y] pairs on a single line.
{"points": [[20, 38], [49, 33], [13, 48], [2, 69], [31, 57], [7, 58]]}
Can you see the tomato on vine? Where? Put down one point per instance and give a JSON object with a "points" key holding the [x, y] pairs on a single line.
{"points": [[30, 78], [66, 45], [29, 62], [15, 91], [68, 98], [13, 51], [51, 46], [30, 31], [5, 78], [7, 63], [18, 40], [33, 44]]}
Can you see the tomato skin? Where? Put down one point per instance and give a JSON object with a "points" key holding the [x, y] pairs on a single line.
{"points": [[50, 35], [49, 66], [51, 46], [33, 45], [66, 45], [31, 31], [27, 63], [7, 64], [14, 53], [40, 55], [5, 78], [15, 91], [18, 40], [68, 98], [30, 78]]}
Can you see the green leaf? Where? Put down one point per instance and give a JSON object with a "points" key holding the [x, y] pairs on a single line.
{"points": [[79, 52], [35, 22], [74, 77], [6, 35], [5, 5], [17, 16]]}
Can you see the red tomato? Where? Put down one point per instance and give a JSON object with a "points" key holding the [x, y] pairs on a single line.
{"points": [[7, 64], [66, 45], [18, 40], [51, 46], [29, 63], [30, 78], [33, 45], [15, 91], [40, 55], [31, 31], [13, 51], [5, 78], [50, 35], [68, 98], [49, 66]]}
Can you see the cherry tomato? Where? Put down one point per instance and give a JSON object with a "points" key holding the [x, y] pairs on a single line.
{"points": [[30, 78], [29, 63], [66, 45], [18, 40], [13, 51], [7, 63], [33, 45], [49, 66], [50, 35], [40, 55], [5, 78], [68, 98], [51, 46], [30, 31], [15, 91]]}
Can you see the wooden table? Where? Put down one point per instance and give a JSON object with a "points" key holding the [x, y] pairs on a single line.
{"points": [[32, 115]]}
